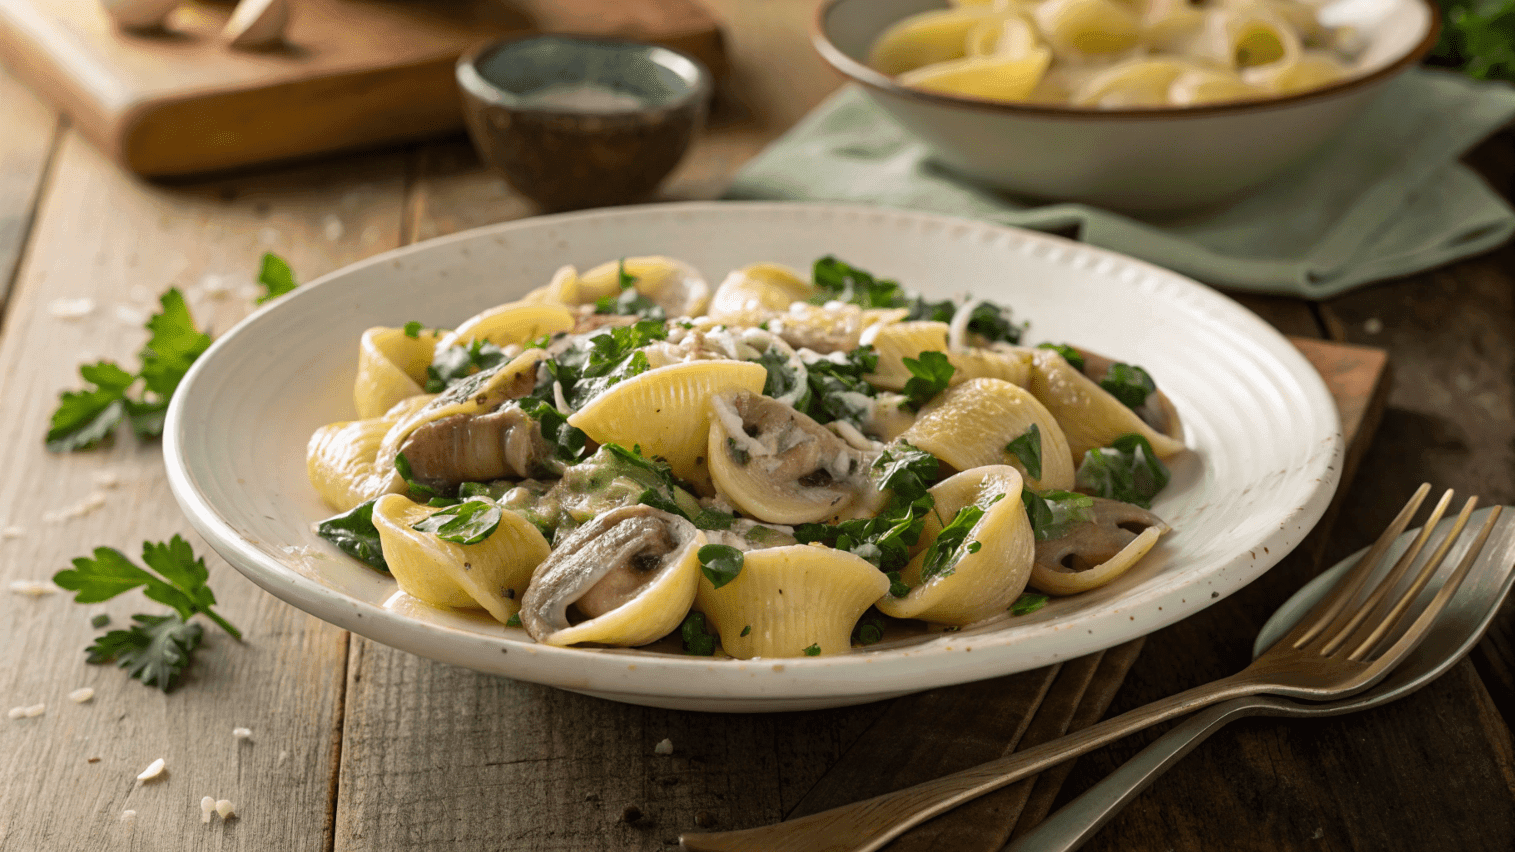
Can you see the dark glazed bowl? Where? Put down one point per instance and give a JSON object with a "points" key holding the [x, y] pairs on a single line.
{"points": [[635, 111]]}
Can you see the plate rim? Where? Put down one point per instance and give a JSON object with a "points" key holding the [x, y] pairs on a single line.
{"points": [[938, 661]]}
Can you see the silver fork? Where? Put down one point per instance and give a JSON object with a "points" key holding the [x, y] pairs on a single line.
{"points": [[1346, 643]]}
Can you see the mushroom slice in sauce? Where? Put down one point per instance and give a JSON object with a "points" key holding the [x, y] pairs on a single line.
{"points": [[1096, 551], [778, 465], [630, 574], [503, 444]]}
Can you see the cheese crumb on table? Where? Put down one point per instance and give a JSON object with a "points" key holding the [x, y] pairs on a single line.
{"points": [[128, 816], [16, 713], [32, 588], [152, 771], [241, 733], [81, 695], [225, 809], [207, 807], [107, 478], [664, 747], [71, 309], [13, 531], [33, 711]]}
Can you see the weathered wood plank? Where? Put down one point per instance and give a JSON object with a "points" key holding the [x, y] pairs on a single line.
{"points": [[29, 130], [70, 773]]}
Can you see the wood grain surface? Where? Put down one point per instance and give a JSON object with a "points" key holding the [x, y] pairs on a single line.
{"points": [[357, 746]]}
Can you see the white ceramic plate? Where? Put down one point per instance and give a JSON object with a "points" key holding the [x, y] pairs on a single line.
{"points": [[1264, 433]]}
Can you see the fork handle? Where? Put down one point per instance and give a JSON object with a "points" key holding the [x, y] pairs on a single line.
{"points": [[867, 825], [1080, 819]]}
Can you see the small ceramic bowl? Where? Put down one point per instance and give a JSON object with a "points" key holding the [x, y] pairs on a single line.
{"points": [[1141, 160], [580, 122]]}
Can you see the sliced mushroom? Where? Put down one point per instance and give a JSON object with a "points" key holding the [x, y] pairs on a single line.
{"points": [[503, 444], [1097, 551], [630, 574], [778, 465]]}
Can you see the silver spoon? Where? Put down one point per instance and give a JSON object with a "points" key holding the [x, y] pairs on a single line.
{"points": [[1460, 627]]}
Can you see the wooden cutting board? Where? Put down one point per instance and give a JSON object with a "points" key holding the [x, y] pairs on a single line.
{"points": [[353, 73]]}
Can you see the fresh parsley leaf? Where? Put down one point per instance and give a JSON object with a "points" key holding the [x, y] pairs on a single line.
{"points": [[695, 637], [898, 588], [1028, 603], [1075, 360], [626, 279], [154, 650], [843, 282], [926, 311], [276, 277], [869, 629], [1478, 38], [456, 363], [568, 442], [720, 563], [146, 417], [180, 581], [1128, 383], [1054, 513], [514, 620], [930, 375], [836, 384], [710, 519], [951, 543], [85, 418], [591, 365], [468, 522], [173, 347], [402, 467], [354, 534], [906, 470], [1128, 471], [1028, 448], [992, 322], [885, 540], [413, 329], [813, 651]]}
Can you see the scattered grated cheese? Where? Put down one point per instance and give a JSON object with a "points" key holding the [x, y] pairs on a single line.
{"points": [[93, 501], [331, 226], [81, 695], [268, 236], [225, 809], [107, 479], [16, 713], [152, 771], [664, 747], [12, 531], [213, 286], [33, 711], [71, 309], [283, 756], [130, 315], [128, 817], [207, 807], [249, 292], [241, 733], [32, 588]]}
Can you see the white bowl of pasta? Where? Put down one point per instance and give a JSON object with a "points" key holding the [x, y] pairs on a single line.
{"points": [[1138, 105], [647, 559]]}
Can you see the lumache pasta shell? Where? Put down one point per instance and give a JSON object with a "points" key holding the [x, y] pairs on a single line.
{"points": [[513, 323], [1089, 415], [971, 425], [341, 458], [926, 38], [787, 599], [755, 293], [673, 285], [391, 367], [894, 342]]}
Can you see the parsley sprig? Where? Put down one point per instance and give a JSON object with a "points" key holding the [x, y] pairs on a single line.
{"points": [[823, 387], [885, 540], [155, 649], [275, 276], [930, 374], [840, 281]]}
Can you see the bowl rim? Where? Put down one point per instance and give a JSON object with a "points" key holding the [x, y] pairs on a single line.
{"points": [[862, 73], [475, 84]]}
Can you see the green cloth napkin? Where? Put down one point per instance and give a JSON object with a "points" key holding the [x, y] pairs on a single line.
{"points": [[1388, 198]]}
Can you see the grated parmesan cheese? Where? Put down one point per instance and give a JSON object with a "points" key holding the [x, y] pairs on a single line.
{"points": [[12, 531], [268, 236], [93, 501], [81, 695], [225, 809], [207, 807], [31, 712], [331, 226], [128, 817], [241, 733], [32, 588], [16, 713], [107, 479], [152, 771], [664, 747], [71, 309], [130, 315]]}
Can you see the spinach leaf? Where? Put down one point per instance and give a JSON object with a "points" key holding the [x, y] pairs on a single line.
{"points": [[720, 563], [1028, 448], [468, 522], [1128, 383], [354, 534], [457, 363], [1128, 471], [1054, 513]]}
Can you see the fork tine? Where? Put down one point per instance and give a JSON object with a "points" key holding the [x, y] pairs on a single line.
{"points": [[1348, 621], [1324, 612], [1407, 642], [1386, 614]]}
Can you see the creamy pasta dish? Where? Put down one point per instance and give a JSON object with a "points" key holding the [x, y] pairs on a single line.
{"points": [[783, 467], [1117, 54]]}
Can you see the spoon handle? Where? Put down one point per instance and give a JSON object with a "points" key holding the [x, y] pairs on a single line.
{"points": [[1077, 821]]}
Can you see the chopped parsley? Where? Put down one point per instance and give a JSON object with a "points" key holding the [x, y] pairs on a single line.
{"points": [[823, 388], [456, 363], [843, 282], [869, 629], [354, 534], [568, 442], [275, 276], [710, 519], [885, 540], [1075, 360], [1129, 384], [591, 365], [1054, 513], [695, 636], [746, 630], [952, 544], [1028, 603], [1127, 470], [1028, 449], [514, 620], [413, 329], [402, 467], [813, 651], [720, 563], [930, 374], [468, 522]]}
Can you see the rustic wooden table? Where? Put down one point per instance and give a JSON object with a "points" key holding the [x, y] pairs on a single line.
{"points": [[356, 746]]}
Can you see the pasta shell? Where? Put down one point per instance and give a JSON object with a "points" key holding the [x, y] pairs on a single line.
{"points": [[982, 583], [1089, 415], [1246, 37], [1207, 86], [1311, 70], [1172, 25], [924, 39], [1010, 37], [491, 575], [972, 424], [514, 323], [563, 289], [339, 460], [788, 599], [667, 411], [1088, 28], [777, 465], [1138, 83], [995, 77], [755, 293], [391, 367], [897, 341], [674, 285], [631, 572], [1098, 551]]}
